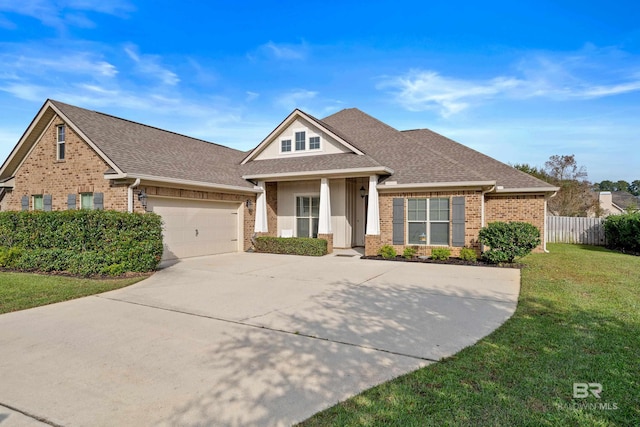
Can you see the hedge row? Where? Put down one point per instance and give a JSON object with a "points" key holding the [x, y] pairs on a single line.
{"points": [[84, 242], [623, 232], [291, 245]]}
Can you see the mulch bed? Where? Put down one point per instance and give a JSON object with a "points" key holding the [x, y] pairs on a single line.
{"points": [[450, 261]]}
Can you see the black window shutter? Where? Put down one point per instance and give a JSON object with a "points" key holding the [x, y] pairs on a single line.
{"points": [[25, 203], [71, 201], [98, 201], [458, 221], [47, 202], [398, 221]]}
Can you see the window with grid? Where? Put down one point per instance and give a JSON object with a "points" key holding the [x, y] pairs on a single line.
{"points": [[428, 221], [285, 145], [60, 145], [301, 139], [307, 214], [314, 143]]}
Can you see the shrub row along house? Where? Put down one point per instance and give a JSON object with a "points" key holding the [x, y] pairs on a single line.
{"points": [[347, 178]]}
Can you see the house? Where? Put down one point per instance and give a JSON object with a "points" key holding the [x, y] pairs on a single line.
{"points": [[347, 178], [617, 202]]}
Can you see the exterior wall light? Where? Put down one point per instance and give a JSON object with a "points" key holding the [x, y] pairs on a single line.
{"points": [[363, 192]]}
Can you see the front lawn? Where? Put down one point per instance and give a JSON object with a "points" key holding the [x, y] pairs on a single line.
{"points": [[19, 291], [577, 321]]}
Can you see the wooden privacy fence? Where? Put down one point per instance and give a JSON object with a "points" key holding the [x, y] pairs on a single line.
{"points": [[568, 229]]}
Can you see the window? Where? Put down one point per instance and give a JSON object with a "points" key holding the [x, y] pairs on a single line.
{"points": [[307, 213], [314, 143], [428, 221], [300, 141], [38, 202], [86, 201], [60, 146], [285, 145]]}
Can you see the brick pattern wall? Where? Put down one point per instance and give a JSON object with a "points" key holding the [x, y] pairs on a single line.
{"points": [[81, 171], [329, 239], [249, 215], [472, 220], [272, 208], [529, 208]]}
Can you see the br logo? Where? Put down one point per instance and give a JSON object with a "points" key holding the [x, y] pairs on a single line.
{"points": [[582, 390]]}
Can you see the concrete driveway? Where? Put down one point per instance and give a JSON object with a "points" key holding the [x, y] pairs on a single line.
{"points": [[241, 339]]}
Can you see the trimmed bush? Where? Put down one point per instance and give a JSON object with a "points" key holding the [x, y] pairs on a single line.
{"points": [[468, 254], [440, 254], [387, 252], [623, 232], [83, 242], [508, 240], [291, 245], [409, 252]]}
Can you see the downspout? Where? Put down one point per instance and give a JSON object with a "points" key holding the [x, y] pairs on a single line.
{"points": [[544, 244], [130, 195], [482, 211]]}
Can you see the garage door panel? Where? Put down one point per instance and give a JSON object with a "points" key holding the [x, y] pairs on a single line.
{"points": [[196, 228]]}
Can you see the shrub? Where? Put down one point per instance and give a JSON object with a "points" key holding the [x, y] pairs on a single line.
{"points": [[387, 252], [468, 254], [291, 245], [440, 254], [508, 240], [623, 232], [84, 242], [9, 257], [409, 252]]}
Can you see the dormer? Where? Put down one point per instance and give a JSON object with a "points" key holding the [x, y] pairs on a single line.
{"points": [[300, 135]]}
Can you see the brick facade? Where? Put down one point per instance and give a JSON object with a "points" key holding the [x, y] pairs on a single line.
{"points": [[525, 208], [472, 220], [272, 208], [82, 171]]}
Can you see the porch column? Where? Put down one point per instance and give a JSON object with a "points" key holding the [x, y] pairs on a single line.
{"points": [[324, 217], [373, 211], [324, 220], [261, 210]]}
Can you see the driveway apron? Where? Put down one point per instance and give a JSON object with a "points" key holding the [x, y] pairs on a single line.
{"points": [[241, 339]]}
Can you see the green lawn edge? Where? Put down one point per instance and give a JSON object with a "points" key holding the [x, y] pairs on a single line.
{"points": [[577, 321], [20, 291]]}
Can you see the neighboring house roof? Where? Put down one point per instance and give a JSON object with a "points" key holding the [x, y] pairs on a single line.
{"points": [[624, 200]]}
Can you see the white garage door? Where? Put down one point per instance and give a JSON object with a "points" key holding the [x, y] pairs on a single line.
{"points": [[196, 228]]}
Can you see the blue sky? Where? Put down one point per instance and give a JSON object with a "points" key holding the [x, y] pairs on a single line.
{"points": [[517, 80]]}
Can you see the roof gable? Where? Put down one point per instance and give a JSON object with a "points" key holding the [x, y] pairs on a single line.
{"points": [[331, 142]]}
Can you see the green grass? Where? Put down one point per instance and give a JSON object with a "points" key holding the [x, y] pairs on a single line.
{"points": [[19, 291], [578, 320]]}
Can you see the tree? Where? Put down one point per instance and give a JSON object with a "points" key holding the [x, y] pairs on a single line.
{"points": [[605, 185], [622, 186], [533, 171], [575, 197], [634, 187]]}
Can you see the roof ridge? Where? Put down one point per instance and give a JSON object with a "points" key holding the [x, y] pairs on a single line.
{"points": [[145, 125]]}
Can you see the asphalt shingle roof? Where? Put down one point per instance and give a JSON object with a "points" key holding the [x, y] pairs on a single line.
{"points": [[140, 149]]}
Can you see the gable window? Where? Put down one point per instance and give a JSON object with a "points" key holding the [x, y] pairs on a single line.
{"points": [[285, 145], [307, 214], [38, 202], [301, 139], [60, 145], [314, 143], [86, 201], [428, 221]]}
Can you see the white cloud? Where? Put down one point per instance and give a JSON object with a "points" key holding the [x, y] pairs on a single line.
{"points": [[284, 51], [586, 74], [295, 99], [149, 66], [59, 14]]}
